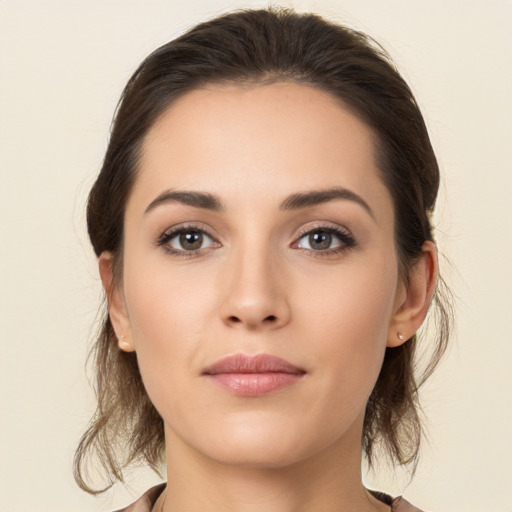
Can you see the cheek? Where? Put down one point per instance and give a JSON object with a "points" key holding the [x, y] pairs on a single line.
{"points": [[169, 315], [164, 299], [354, 301], [347, 321]]}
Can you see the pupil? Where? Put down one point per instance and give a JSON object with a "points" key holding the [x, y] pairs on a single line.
{"points": [[191, 240], [320, 240]]}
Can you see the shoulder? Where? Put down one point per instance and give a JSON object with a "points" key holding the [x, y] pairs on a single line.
{"points": [[146, 501], [397, 504], [402, 505]]}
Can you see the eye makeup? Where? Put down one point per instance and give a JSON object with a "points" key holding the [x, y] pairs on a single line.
{"points": [[324, 240], [192, 240]]}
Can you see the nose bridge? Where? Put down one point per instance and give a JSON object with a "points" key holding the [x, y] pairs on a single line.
{"points": [[255, 296]]}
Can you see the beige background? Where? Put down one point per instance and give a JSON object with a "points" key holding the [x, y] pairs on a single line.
{"points": [[62, 67]]}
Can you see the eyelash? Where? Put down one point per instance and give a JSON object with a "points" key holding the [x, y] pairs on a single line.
{"points": [[167, 236], [344, 236]]}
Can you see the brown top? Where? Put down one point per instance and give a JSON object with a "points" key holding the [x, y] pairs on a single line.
{"points": [[148, 499]]}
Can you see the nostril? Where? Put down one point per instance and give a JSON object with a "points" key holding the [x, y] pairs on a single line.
{"points": [[236, 320]]}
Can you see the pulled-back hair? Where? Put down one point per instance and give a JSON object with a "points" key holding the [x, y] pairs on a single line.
{"points": [[258, 47]]}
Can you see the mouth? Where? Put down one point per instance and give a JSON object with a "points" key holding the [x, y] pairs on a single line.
{"points": [[254, 376]]}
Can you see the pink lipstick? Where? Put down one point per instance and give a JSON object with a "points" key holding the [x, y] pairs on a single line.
{"points": [[258, 375]]}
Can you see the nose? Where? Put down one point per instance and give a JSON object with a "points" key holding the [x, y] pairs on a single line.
{"points": [[255, 295]]}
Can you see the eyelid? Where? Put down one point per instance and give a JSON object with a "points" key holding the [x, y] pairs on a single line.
{"points": [[173, 231], [325, 226], [344, 235], [192, 225]]}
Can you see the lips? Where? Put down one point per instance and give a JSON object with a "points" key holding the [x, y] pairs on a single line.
{"points": [[258, 375]]}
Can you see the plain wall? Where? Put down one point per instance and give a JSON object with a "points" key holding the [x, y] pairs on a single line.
{"points": [[63, 65]]}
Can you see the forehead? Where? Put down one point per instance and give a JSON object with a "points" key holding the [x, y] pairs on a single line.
{"points": [[259, 140]]}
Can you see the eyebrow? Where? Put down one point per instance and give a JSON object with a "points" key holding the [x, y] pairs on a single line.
{"points": [[316, 197], [197, 199], [296, 201]]}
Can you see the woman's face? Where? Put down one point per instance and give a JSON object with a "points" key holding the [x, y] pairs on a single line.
{"points": [[258, 225]]}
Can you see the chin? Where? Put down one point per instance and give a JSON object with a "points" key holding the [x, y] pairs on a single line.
{"points": [[266, 447], [258, 456]]}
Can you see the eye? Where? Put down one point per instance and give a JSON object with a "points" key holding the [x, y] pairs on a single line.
{"points": [[186, 239], [325, 240]]}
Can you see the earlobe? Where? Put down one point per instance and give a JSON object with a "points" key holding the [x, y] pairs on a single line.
{"points": [[116, 303], [414, 300], [125, 345]]}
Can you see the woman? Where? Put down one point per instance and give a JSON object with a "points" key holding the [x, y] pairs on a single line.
{"points": [[261, 223]]}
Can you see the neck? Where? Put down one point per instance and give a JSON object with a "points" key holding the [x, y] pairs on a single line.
{"points": [[329, 481]]}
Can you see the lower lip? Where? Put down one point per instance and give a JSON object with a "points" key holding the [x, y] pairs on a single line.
{"points": [[255, 384]]}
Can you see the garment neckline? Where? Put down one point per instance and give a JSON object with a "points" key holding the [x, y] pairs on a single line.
{"points": [[152, 495]]}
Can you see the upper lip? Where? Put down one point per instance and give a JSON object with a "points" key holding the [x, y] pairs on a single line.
{"points": [[260, 363]]}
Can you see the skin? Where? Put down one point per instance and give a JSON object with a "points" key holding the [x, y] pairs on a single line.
{"points": [[256, 286]]}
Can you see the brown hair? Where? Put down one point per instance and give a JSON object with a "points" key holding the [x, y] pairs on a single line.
{"points": [[262, 46]]}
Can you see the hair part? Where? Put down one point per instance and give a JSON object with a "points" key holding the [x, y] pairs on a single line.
{"points": [[262, 47]]}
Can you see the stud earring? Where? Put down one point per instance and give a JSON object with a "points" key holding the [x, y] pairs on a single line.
{"points": [[400, 336], [123, 344]]}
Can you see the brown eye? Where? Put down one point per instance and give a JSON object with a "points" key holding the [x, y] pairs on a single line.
{"points": [[191, 241], [325, 241], [320, 240], [188, 240]]}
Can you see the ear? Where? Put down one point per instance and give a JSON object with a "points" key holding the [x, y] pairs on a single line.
{"points": [[116, 302], [414, 296]]}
